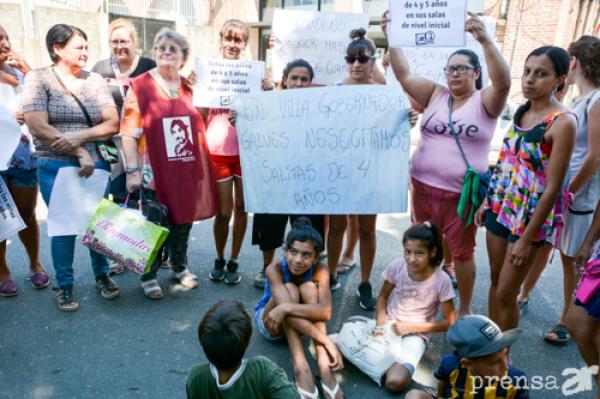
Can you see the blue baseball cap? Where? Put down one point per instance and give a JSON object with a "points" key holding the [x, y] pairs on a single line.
{"points": [[476, 336]]}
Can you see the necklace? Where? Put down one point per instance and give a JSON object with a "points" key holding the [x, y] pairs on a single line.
{"points": [[171, 92]]}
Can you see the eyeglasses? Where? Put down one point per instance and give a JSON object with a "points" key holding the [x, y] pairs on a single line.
{"points": [[461, 69], [362, 59], [116, 43], [164, 49]]}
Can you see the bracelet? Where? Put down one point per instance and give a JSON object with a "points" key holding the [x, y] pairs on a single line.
{"points": [[131, 170]]}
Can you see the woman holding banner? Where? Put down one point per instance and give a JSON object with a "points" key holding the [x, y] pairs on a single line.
{"points": [[462, 114], [166, 154], [21, 176], [69, 111]]}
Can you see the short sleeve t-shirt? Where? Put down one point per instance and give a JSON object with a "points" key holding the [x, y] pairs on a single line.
{"points": [[416, 301], [257, 378], [462, 383], [221, 135]]}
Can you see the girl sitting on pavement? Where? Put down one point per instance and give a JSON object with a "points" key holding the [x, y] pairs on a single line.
{"points": [[296, 302]]}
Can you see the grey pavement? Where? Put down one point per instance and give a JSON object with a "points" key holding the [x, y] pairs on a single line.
{"points": [[132, 347]]}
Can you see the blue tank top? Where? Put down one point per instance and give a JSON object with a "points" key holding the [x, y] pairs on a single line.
{"points": [[287, 277]]}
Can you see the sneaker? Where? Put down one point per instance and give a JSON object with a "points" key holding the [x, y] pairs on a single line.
{"points": [[259, 280], [334, 284], [451, 272], [232, 275], [365, 296], [107, 286], [65, 299], [218, 271]]}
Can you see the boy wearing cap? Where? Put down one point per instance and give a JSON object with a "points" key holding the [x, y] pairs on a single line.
{"points": [[224, 333], [479, 369]]}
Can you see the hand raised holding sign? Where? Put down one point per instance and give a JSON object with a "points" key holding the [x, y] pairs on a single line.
{"points": [[475, 26]]}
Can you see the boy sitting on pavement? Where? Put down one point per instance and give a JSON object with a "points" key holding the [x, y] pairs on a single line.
{"points": [[224, 334], [480, 366]]}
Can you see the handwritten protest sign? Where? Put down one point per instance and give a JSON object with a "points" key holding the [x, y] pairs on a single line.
{"points": [[10, 220], [219, 81], [333, 150], [432, 23], [430, 62], [321, 38]]}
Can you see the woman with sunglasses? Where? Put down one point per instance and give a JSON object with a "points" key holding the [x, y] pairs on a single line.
{"points": [[437, 169]]}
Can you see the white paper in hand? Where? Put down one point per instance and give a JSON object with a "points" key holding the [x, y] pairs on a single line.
{"points": [[10, 220], [74, 200], [10, 134]]}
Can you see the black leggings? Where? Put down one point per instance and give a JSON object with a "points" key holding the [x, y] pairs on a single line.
{"points": [[268, 229]]}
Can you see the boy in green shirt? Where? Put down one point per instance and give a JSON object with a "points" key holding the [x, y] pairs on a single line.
{"points": [[224, 334]]}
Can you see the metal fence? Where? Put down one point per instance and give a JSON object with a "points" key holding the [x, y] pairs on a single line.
{"points": [[160, 9]]}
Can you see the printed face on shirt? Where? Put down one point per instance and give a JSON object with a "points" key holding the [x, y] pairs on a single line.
{"points": [[122, 45], [300, 256], [178, 138]]}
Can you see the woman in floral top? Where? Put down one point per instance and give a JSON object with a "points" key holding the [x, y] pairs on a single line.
{"points": [[21, 175], [519, 208]]}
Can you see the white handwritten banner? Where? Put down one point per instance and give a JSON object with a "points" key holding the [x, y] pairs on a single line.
{"points": [[432, 23], [332, 150], [321, 38], [10, 219], [430, 62], [73, 200], [218, 81]]}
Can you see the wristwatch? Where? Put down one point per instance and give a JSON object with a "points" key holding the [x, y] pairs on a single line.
{"points": [[131, 170]]}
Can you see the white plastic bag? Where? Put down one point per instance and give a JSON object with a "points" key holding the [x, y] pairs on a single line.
{"points": [[370, 354]]}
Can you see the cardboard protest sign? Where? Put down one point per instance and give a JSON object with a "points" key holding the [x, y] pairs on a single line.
{"points": [[321, 38], [218, 81], [431, 23], [333, 150], [430, 62], [10, 219]]}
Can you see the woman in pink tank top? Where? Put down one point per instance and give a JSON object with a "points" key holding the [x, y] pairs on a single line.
{"points": [[437, 167]]}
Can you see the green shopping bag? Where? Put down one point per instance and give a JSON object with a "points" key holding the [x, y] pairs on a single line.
{"points": [[124, 236]]}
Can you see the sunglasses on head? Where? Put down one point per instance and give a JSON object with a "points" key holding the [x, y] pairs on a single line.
{"points": [[361, 58]]}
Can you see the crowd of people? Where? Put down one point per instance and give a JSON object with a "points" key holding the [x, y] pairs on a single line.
{"points": [[542, 193]]}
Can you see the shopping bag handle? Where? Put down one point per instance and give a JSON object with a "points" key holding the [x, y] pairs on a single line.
{"points": [[139, 200]]}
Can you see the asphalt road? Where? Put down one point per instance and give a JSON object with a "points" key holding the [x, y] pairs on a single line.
{"points": [[131, 347]]}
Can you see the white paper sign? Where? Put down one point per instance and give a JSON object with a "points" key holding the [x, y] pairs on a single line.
{"points": [[321, 38], [10, 220], [333, 150], [10, 134], [431, 23], [74, 200], [430, 62], [220, 81]]}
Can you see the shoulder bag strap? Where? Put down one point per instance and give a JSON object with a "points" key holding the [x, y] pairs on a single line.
{"points": [[83, 109], [450, 122]]}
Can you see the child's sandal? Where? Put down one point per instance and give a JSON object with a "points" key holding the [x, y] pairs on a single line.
{"points": [[305, 394]]}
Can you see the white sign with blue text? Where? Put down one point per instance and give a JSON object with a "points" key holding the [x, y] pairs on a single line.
{"points": [[333, 150]]}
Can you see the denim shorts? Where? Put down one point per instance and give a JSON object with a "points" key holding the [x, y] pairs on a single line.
{"points": [[258, 318], [492, 225], [20, 177]]}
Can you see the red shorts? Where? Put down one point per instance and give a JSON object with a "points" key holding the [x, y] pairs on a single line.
{"points": [[439, 207], [226, 167]]}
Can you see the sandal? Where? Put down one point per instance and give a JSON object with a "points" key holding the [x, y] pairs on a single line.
{"points": [[186, 278], [326, 390], [305, 394], [39, 280], [561, 332], [522, 306], [9, 288], [345, 267], [152, 289]]}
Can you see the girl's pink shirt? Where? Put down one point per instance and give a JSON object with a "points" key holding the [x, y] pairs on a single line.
{"points": [[416, 301], [221, 136]]}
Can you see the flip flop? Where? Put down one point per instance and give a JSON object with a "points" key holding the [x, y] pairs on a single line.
{"points": [[561, 332], [345, 267], [305, 394], [326, 390]]}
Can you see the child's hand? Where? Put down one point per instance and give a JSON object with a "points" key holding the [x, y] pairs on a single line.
{"points": [[479, 217], [378, 331], [335, 357], [275, 317], [519, 253], [413, 117], [401, 328]]}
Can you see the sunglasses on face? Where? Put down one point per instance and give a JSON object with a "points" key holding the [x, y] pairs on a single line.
{"points": [[361, 58], [164, 49], [461, 69]]}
